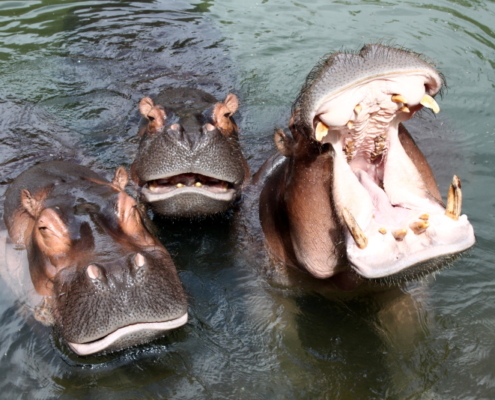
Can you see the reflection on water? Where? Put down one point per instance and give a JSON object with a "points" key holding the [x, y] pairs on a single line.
{"points": [[72, 74]]}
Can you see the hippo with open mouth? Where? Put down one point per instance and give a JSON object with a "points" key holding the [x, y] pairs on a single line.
{"points": [[189, 162], [352, 193], [96, 273]]}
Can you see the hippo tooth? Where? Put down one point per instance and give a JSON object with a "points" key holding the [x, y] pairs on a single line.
{"points": [[383, 231], [350, 125], [224, 186], [179, 185], [405, 109], [358, 109], [429, 102], [399, 234], [321, 131], [152, 186], [454, 199], [356, 232], [424, 217], [198, 184], [419, 227], [398, 98], [139, 260]]}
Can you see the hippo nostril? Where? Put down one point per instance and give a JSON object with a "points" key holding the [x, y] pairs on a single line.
{"points": [[94, 272], [139, 260]]}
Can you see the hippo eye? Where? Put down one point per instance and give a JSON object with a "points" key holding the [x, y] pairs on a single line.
{"points": [[151, 118], [227, 115]]}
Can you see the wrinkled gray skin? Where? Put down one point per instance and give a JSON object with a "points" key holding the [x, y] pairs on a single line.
{"points": [[189, 162], [104, 282]]}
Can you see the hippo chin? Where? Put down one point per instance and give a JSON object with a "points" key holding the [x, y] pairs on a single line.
{"points": [[353, 192], [98, 276], [189, 162]]}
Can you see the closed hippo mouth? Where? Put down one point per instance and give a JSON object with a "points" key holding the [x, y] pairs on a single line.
{"points": [[135, 334], [166, 188]]}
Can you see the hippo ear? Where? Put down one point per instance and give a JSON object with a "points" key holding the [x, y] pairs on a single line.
{"points": [[222, 113], [145, 106], [30, 203], [232, 103], [120, 178], [283, 142]]}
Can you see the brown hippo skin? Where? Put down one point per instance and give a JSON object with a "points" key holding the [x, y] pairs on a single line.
{"points": [[189, 162], [353, 197], [105, 282]]}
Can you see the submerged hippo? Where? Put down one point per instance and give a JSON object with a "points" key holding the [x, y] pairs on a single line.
{"points": [[351, 192], [98, 276], [189, 162]]}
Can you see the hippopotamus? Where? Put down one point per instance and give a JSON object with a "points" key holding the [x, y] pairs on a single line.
{"points": [[94, 271], [350, 197], [189, 162]]}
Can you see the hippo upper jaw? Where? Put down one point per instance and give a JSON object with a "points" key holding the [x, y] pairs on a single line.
{"points": [[133, 334]]}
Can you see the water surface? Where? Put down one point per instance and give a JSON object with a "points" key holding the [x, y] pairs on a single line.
{"points": [[71, 76]]}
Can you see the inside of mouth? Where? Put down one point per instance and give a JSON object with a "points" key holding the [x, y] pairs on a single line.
{"points": [[377, 183], [189, 180]]}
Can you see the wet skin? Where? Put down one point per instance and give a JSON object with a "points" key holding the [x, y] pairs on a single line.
{"points": [[101, 279], [351, 197], [189, 162]]}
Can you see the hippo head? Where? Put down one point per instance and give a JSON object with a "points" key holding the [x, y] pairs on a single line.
{"points": [[109, 284], [189, 161], [356, 189]]}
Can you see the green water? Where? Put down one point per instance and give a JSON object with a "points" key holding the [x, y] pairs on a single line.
{"points": [[71, 75]]}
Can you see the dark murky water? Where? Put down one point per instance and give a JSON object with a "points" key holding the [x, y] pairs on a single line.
{"points": [[71, 75]]}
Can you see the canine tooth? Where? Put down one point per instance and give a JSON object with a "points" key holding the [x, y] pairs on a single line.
{"points": [[398, 98], [454, 199], [418, 227], [424, 217], [179, 185], [321, 131], [383, 231], [356, 232], [405, 109], [350, 125], [399, 234], [358, 109], [198, 184], [429, 102]]}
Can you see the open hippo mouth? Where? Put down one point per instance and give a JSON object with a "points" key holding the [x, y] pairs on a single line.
{"points": [[165, 188], [381, 189], [128, 335]]}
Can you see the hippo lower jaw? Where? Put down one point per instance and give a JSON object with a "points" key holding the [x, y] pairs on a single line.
{"points": [[134, 334], [393, 221]]}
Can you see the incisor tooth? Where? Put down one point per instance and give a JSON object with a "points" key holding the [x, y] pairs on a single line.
{"points": [[429, 102], [198, 184], [358, 109], [350, 125], [321, 131], [152, 186], [454, 199], [179, 185], [418, 227], [383, 231], [399, 234], [424, 217], [356, 232], [398, 98]]}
